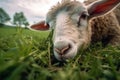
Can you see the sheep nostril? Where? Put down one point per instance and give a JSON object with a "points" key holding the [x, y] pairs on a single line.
{"points": [[57, 50], [63, 50]]}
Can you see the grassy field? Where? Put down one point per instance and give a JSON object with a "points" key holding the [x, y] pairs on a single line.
{"points": [[26, 55]]}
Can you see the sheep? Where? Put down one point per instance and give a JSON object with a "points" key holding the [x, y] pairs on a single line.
{"points": [[76, 26]]}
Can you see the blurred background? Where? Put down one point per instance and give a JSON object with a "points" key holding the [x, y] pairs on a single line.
{"points": [[33, 10]]}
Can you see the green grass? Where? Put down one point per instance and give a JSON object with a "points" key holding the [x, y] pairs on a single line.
{"points": [[26, 55]]}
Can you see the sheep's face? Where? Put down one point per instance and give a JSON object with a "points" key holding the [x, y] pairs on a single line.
{"points": [[70, 22], [71, 31]]}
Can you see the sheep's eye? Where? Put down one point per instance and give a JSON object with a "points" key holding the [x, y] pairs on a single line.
{"points": [[84, 16]]}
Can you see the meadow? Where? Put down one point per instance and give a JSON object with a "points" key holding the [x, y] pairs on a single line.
{"points": [[27, 55]]}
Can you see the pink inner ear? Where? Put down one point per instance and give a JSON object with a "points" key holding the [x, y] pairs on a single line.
{"points": [[40, 26], [105, 6]]}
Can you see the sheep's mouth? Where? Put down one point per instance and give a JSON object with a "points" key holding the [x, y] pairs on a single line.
{"points": [[63, 58]]}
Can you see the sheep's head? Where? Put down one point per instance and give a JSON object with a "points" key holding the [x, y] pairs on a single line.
{"points": [[70, 22]]}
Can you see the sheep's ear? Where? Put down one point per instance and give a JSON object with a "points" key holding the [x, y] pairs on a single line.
{"points": [[42, 26], [101, 7]]}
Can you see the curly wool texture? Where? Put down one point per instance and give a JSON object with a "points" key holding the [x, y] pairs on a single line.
{"points": [[106, 28]]}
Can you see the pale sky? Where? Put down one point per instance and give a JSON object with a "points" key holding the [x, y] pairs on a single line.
{"points": [[34, 10]]}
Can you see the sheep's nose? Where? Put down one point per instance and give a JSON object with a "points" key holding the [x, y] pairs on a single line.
{"points": [[62, 47]]}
